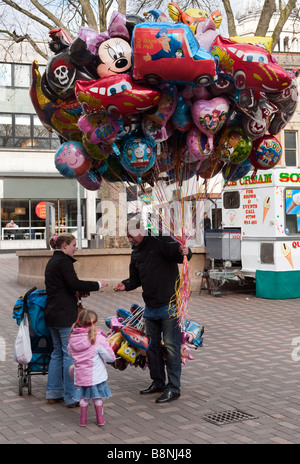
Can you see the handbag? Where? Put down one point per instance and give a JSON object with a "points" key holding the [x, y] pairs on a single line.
{"points": [[22, 351]]}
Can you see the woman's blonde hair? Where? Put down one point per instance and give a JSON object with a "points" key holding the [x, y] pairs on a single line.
{"points": [[87, 318], [57, 241]]}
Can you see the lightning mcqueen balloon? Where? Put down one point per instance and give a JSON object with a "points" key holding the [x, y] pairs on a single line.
{"points": [[248, 67], [118, 95]]}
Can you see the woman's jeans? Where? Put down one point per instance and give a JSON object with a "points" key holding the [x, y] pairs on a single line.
{"points": [[59, 383], [169, 331]]}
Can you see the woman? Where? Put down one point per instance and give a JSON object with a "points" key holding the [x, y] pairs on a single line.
{"points": [[61, 312]]}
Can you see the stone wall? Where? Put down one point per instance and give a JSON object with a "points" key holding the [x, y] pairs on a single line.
{"points": [[111, 265]]}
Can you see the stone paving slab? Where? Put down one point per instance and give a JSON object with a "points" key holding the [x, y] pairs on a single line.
{"points": [[249, 362]]}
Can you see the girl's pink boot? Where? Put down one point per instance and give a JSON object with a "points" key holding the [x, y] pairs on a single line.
{"points": [[83, 416], [99, 414]]}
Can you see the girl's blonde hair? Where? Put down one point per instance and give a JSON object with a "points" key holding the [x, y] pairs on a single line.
{"points": [[87, 318], [57, 241]]}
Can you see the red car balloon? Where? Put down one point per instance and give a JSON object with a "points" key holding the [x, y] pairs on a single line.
{"points": [[118, 95]]}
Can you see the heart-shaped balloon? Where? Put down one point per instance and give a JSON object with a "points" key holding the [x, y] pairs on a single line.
{"points": [[210, 115]]}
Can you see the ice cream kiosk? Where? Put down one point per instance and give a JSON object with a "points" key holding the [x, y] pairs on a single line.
{"points": [[266, 211]]}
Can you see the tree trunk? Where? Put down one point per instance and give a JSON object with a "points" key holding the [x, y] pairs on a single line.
{"points": [[122, 6]]}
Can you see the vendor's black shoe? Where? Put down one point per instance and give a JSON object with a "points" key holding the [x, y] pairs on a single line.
{"points": [[154, 387], [167, 397]]}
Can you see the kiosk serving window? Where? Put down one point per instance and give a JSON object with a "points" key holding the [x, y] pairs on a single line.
{"points": [[292, 211]]}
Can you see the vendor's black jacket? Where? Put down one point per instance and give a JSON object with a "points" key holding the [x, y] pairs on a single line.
{"points": [[61, 285], [154, 266]]}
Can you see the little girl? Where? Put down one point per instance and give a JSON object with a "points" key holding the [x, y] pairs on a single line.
{"points": [[90, 350]]}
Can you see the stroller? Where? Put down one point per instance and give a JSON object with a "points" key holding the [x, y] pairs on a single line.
{"points": [[33, 303]]}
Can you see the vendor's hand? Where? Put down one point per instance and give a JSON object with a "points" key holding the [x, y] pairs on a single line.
{"points": [[84, 295], [184, 250], [120, 287], [103, 283]]}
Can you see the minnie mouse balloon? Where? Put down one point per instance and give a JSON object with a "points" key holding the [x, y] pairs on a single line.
{"points": [[71, 160], [210, 115], [266, 152]]}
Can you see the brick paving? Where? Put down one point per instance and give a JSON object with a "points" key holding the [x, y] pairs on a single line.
{"points": [[248, 363]]}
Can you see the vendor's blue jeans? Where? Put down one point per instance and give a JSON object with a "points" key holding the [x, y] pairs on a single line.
{"points": [[169, 331], [59, 383]]}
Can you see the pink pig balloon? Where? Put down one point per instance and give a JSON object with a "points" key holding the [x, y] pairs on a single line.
{"points": [[210, 115]]}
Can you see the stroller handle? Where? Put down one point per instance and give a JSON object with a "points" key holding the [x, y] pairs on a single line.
{"points": [[25, 308]]}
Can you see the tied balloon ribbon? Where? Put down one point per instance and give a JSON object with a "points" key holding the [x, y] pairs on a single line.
{"points": [[179, 302]]}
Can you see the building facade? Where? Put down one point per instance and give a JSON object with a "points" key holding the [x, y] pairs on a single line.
{"points": [[28, 176]]}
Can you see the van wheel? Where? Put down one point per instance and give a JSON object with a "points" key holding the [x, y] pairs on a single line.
{"points": [[222, 85], [153, 79], [203, 80]]}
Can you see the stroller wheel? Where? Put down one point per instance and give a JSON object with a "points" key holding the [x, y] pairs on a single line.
{"points": [[29, 384]]}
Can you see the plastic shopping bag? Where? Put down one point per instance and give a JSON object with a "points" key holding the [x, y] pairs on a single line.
{"points": [[23, 352]]}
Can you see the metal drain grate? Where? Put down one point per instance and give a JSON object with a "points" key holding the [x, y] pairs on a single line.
{"points": [[228, 417]]}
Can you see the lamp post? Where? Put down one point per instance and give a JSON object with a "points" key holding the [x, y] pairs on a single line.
{"points": [[79, 219]]}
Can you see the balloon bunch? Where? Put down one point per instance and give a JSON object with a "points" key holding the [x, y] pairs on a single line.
{"points": [[146, 97], [127, 337], [130, 343]]}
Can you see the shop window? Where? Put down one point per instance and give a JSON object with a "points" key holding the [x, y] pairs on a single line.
{"points": [[29, 216], [25, 131], [292, 210], [267, 253], [290, 148], [231, 200]]}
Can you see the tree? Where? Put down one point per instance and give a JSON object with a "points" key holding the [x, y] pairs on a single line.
{"points": [[40, 16]]}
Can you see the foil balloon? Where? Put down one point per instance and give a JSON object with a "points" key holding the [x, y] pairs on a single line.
{"points": [[137, 156], [182, 116], [56, 114], [90, 180], [234, 145], [234, 172], [266, 152], [165, 109], [192, 16], [166, 52], [209, 116], [210, 167], [99, 128], [197, 144], [249, 66], [118, 95], [71, 160]]}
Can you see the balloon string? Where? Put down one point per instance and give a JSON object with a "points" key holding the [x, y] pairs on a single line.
{"points": [[178, 306]]}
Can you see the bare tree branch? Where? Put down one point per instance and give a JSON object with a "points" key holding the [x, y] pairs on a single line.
{"points": [[269, 7], [285, 13], [230, 18], [28, 14], [89, 14]]}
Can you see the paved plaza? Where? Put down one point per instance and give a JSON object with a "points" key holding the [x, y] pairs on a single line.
{"points": [[248, 366]]}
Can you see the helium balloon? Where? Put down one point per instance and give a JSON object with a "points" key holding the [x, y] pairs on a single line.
{"points": [[71, 160], [137, 156], [266, 152], [90, 180], [234, 145], [234, 172], [210, 115]]}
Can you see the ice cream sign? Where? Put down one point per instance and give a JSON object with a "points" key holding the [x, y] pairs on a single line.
{"points": [[249, 206]]}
